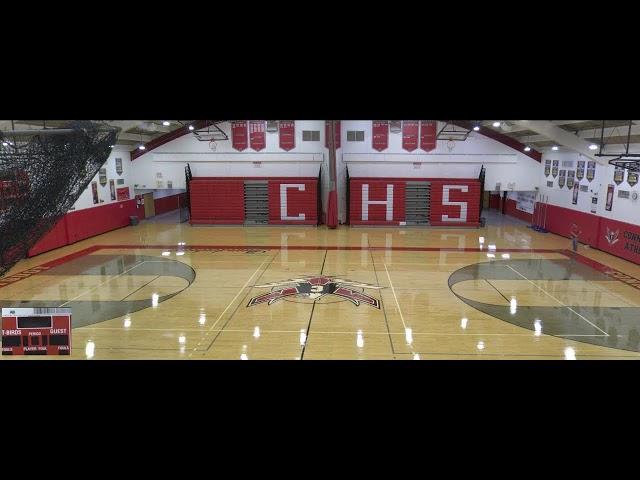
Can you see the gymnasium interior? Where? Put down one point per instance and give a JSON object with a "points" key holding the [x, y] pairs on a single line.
{"points": [[320, 239]]}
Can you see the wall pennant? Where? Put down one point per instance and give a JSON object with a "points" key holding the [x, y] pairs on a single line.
{"points": [[428, 135], [239, 134], [287, 134], [380, 134], [257, 135]]}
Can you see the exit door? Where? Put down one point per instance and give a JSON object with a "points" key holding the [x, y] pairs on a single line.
{"points": [[149, 207]]}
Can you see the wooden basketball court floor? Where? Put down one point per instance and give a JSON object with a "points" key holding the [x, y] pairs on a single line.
{"points": [[164, 290]]}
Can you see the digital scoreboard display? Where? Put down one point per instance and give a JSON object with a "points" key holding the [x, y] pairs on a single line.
{"points": [[36, 331]]}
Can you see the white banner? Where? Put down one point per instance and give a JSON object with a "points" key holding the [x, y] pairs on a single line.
{"points": [[526, 201]]}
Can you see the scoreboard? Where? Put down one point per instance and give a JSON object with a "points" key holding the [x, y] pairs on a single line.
{"points": [[36, 331]]}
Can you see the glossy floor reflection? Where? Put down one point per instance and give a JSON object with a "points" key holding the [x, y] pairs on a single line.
{"points": [[162, 290]]}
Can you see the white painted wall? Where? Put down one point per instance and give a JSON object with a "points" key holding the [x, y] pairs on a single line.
{"points": [[104, 192], [624, 210], [171, 158], [513, 169]]}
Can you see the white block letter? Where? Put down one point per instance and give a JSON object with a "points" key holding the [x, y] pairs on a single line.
{"points": [[283, 200], [462, 205], [366, 202]]}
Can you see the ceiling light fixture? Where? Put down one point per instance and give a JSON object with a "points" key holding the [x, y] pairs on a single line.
{"points": [[142, 147], [191, 127], [527, 148], [554, 148], [593, 146], [496, 124], [476, 128], [166, 123]]}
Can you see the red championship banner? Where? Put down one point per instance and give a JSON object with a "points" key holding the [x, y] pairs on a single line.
{"points": [[123, 193], [380, 134], [239, 134], [287, 134], [428, 135], [336, 137], [257, 136], [410, 135]]}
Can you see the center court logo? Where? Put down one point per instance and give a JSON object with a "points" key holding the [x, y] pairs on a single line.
{"points": [[312, 289], [612, 237]]}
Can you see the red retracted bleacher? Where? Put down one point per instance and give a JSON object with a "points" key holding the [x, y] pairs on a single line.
{"points": [[221, 200], [383, 201]]}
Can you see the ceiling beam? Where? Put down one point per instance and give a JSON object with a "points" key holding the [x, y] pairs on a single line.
{"points": [[561, 137], [167, 137], [500, 137]]}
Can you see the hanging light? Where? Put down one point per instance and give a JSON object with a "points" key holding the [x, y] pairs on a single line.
{"points": [[191, 127], [476, 128], [527, 148], [593, 146], [141, 146], [166, 123], [496, 124]]}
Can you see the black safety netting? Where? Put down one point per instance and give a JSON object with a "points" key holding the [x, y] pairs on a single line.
{"points": [[41, 177]]}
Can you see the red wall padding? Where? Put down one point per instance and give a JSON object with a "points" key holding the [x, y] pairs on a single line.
{"points": [[377, 191], [471, 197], [559, 221], [90, 222], [82, 224], [55, 238], [217, 201], [168, 204], [220, 200], [298, 202], [512, 210], [624, 239]]}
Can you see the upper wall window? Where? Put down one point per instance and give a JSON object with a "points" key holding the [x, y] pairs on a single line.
{"points": [[355, 135], [311, 135]]}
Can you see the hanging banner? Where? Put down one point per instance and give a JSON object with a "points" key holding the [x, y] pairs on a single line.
{"points": [[94, 191], [570, 179], [618, 175], [594, 204], [576, 189], [410, 135], [380, 134], [257, 135], [632, 178], [591, 170], [112, 186], [336, 135], [395, 126], [103, 176], [239, 134], [547, 168], [123, 193], [287, 134], [580, 170], [428, 135], [554, 171], [119, 166], [562, 178], [609, 204]]}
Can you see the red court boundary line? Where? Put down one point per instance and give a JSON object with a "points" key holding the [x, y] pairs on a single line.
{"points": [[609, 271], [601, 267]]}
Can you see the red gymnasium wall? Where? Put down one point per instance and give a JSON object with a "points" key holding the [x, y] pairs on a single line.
{"points": [[220, 200], [168, 204], [511, 209], [454, 202], [82, 224]]}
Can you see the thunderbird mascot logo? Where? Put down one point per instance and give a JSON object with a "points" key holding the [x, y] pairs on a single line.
{"points": [[612, 237], [315, 288]]}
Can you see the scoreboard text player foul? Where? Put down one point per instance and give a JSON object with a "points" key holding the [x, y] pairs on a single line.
{"points": [[36, 331]]}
